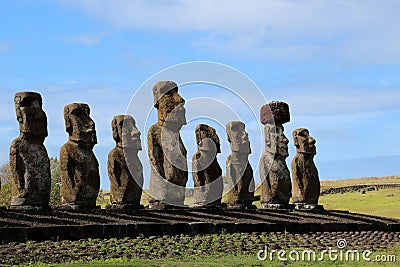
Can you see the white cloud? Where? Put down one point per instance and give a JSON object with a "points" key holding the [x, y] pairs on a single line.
{"points": [[322, 100], [84, 39], [355, 31]]}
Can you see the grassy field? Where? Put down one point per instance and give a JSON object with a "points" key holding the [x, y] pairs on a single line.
{"points": [[245, 260], [384, 202]]}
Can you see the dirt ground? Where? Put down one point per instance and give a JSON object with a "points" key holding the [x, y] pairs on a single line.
{"points": [[10, 218]]}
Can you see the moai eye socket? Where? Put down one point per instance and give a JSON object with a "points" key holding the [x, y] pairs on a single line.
{"points": [[303, 134], [172, 92], [77, 112]]}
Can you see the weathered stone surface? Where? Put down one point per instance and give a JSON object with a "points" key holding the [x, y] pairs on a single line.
{"points": [[166, 151], [276, 186], [207, 174], [275, 112], [306, 185], [80, 179], [29, 162], [239, 173], [125, 170]]}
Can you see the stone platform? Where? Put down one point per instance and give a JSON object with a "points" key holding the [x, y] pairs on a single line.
{"points": [[20, 226]]}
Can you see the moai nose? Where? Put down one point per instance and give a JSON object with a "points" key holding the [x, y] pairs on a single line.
{"points": [[178, 98], [285, 140], [90, 126], [136, 132]]}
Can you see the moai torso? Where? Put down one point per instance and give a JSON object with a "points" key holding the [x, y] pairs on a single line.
{"points": [[239, 173], [306, 185], [124, 167], [207, 174], [276, 185], [166, 151], [29, 162], [80, 179]]}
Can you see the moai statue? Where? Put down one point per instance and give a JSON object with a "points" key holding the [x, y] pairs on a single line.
{"points": [[276, 187], [124, 167], [207, 174], [80, 178], [166, 151], [239, 173], [29, 162], [306, 186]]}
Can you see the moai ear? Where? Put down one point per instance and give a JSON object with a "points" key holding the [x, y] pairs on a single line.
{"points": [[296, 142], [197, 133], [68, 124], [17, 101], [267, 135], [198, 140], [115, 130]]}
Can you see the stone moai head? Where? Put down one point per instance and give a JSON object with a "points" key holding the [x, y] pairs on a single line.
{"points": [[304, 142], [171, 112], [125, 133], [32, 119], [276, 141], [79, 125], [207, 139], [238, 137]]}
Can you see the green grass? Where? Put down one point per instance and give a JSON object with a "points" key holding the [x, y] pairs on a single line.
{"points": [[230, 260], [372, 202]]}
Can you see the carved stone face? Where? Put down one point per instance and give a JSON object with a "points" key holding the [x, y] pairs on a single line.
{"points": [[238, 137], [170, 105], [275, 140], [207, 139], [32, 119], [125, 132], [303, 141], [79, 125]]}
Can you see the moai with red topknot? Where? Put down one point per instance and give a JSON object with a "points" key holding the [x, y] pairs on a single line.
{"points": [[276, 186]]}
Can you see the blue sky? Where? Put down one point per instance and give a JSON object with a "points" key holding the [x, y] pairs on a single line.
{"points": [[337, 63]]}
